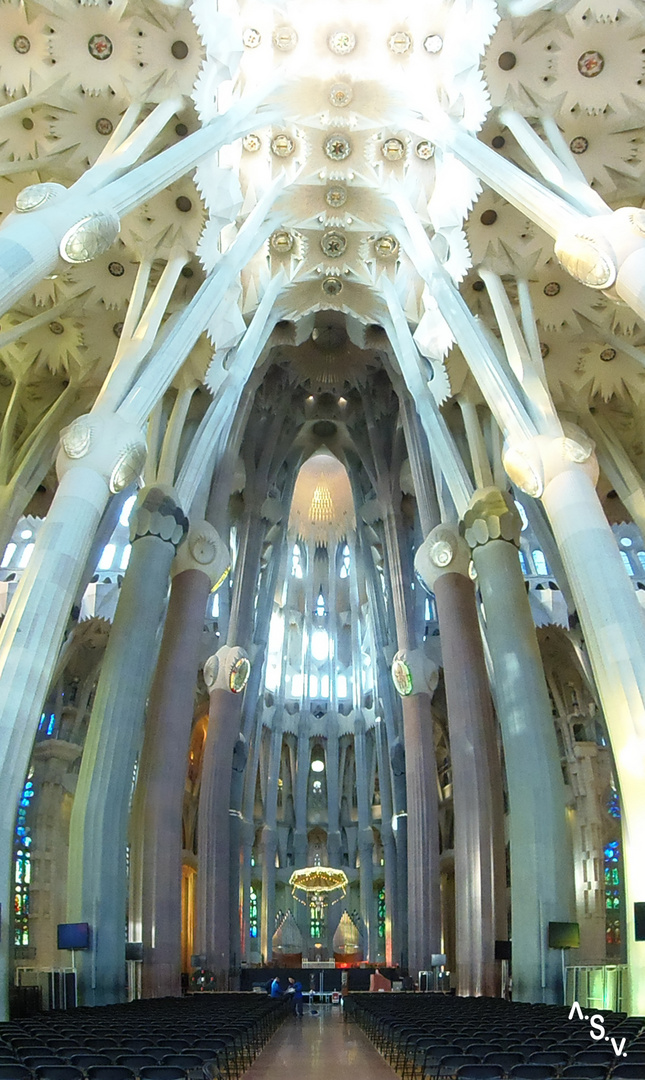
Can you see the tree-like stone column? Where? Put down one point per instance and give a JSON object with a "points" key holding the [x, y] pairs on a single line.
{"points": [[99, 454], [97, 874], [225, 682], [480, 880], [155, 902], [541, 857], [563, 473]]}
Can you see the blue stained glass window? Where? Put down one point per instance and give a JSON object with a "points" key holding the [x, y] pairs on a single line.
{"points": [[22, 868], [613, 806], [539, 562], [627, 563]]}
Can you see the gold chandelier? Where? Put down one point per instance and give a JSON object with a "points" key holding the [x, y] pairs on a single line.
{"points": [[318, 880]]}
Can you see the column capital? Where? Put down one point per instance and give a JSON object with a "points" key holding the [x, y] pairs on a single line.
{"points": [[204, 550], [594, 253], [533, 464], [443, 551], [228, 669], [105, 443], [413, 672], [157, 513], [491, 515]]}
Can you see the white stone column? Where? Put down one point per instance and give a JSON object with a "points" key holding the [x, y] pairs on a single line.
{"points": [[98, 454], [541, 857], [97, 875], [563, 473]]}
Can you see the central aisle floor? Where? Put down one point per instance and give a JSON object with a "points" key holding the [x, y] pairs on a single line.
{"points": [[319, 1047]]}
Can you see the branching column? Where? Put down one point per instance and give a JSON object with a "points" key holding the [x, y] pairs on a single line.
{"points": [[97, 883], [33, 629], [156, 857], [614, 631], [541, 857], [480, 882]]}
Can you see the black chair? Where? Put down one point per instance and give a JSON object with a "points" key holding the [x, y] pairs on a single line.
{"points": [[557, 1058], [594, 1057], [58, 1072], [85, 1061], [506, 1060], [110, 1072], [480, 1072], [587, 1072], [628, 1071], [533, 1072], [481, 1049], [40, 1060], [584, 1072], [162, 1072], [135, 1062], [452, 1063], [183, 1061], [158, 1052], [15, 1072]]}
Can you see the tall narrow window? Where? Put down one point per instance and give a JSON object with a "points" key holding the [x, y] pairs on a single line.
{"points": [[539, 562], [296, 562], [381, 913], [22, 868], [315, 919], [346, 562], [627, 563], [321, 610], [523, 563], [612, 892], [253, 913]]}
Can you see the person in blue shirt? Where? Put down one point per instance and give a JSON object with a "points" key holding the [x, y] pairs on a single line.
{"points": [[276, 989], [295, 991]]}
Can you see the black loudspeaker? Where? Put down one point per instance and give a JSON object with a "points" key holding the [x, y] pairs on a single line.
{"points": [[502, 950], [639, 920], [564, 935], [134, 950]]}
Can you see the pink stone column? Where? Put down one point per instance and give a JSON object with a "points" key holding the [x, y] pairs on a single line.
{"points": [[213, 886], [158, 804], [476, 769]]}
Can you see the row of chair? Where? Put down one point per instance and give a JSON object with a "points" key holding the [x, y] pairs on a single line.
{"points": [[489, 1039], [198, 1038]]}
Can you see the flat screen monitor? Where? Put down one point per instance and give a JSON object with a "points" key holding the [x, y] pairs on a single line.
{"points": [[438, 959], [564, 935], [639, 920], [74, 935], [502, 950]]}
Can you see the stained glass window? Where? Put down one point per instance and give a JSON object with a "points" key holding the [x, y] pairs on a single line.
{"points": [[539, 562], [315, 920], [612, 892], [253, 912], [22, 868], [381, 913]]}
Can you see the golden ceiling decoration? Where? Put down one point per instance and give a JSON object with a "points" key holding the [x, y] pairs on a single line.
{"points": [[322, 504]]}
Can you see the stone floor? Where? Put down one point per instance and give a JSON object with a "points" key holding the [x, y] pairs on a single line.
{"points": [[320, 1047]]}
